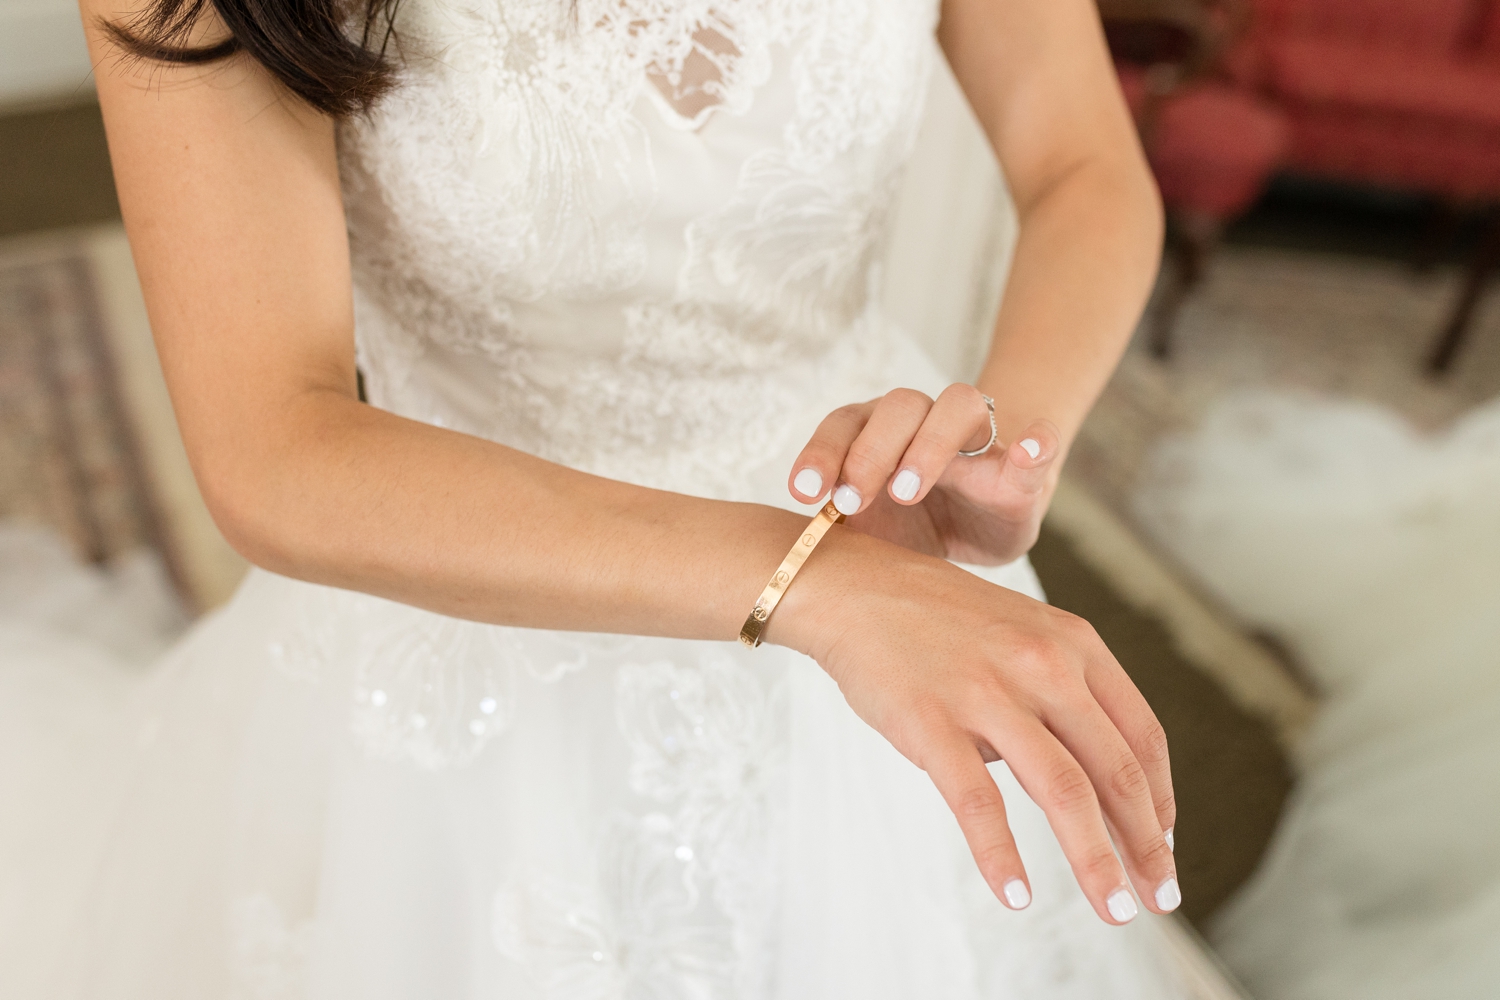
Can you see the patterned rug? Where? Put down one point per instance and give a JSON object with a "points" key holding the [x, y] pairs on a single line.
{"points": [[67, 457], [1326, 324]]}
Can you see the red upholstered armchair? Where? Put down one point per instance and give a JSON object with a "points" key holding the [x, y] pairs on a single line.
{"points": [[1213, 144], [1401, 94]]}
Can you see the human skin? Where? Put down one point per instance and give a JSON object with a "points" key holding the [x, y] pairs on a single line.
{"points": [[230, 194]]}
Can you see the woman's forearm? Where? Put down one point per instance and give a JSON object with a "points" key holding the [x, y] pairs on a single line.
{"points": [[337, 492], [1041, 82], [230, 193], [1083, 268]]}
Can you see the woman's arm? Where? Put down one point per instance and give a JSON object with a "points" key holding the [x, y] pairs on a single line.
{"points": [[1038, 75], [230, 194], [1040, 80]]}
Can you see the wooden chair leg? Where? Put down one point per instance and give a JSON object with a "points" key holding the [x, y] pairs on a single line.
{"points": [[1486, 261], [1196, 238], [1439, 230], [1164, 315]]}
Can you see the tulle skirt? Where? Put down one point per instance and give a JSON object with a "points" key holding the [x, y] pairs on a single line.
{"points": [[576, 817]]}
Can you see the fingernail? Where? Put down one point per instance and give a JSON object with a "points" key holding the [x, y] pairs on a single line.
{"points": [[1121, 906], [809, 483], [1168, 896], [846, 500], [906, 485], [1017, 896], [1030, 446], [1171, 841]]}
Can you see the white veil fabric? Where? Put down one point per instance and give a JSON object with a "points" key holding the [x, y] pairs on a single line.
{"points": [[1373, 550], [952, 236]]}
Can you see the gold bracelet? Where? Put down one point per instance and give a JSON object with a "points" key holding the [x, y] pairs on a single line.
{"points": [[755, 624]]}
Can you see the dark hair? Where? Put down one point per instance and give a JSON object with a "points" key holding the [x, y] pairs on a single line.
{"points": [[305, 44]]}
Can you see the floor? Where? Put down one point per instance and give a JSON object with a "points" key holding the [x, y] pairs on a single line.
{"points": [[1230, 770]]}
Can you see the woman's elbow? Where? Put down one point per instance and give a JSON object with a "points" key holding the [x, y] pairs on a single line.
{"points": [[1152, 209], [247, 515]]}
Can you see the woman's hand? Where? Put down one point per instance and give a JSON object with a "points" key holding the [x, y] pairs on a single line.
{"points": [[894, 468], [955, 671]]}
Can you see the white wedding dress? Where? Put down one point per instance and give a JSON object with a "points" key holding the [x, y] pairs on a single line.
{"points": [[638, 238]]}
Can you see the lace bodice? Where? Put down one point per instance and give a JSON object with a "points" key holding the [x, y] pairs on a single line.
{"points": [[633, 236]]}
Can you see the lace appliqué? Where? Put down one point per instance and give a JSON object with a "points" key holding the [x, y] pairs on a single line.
{"points": [[645, 933], [424, 688], [823, 237], [700, 57], [680, 904], [430, 689]]}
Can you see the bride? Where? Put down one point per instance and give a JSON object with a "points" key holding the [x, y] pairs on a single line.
{"points": [[478, 725]]}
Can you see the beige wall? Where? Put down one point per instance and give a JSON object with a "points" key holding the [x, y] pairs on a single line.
{"points": [[42, 52]]}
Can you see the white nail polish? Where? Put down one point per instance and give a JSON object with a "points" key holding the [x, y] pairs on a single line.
{"points": [[846, 499], [1031, 448], [906, 485], [1017, 896], [1121, 906], [1171, 842], [809, 483], [1168, 896]]}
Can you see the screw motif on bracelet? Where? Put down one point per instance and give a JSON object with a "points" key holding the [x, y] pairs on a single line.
{"points": [[755, 623]]}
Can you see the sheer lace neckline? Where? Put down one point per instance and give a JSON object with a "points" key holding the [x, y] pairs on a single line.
{"points": [[689, 93]]}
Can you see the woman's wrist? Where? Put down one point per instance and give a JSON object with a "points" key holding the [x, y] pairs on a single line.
{"points": [[802, 619], [823, 601]]}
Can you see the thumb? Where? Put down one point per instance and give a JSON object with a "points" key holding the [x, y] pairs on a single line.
{"points": [[1029, 459]]}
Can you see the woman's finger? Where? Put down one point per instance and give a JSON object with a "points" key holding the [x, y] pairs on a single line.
{"points": [[1028, 466], [874, 453], [817, 467], [1124, 792], [957, 420], [955, 766], [1127, 708], [1060, 785]]}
